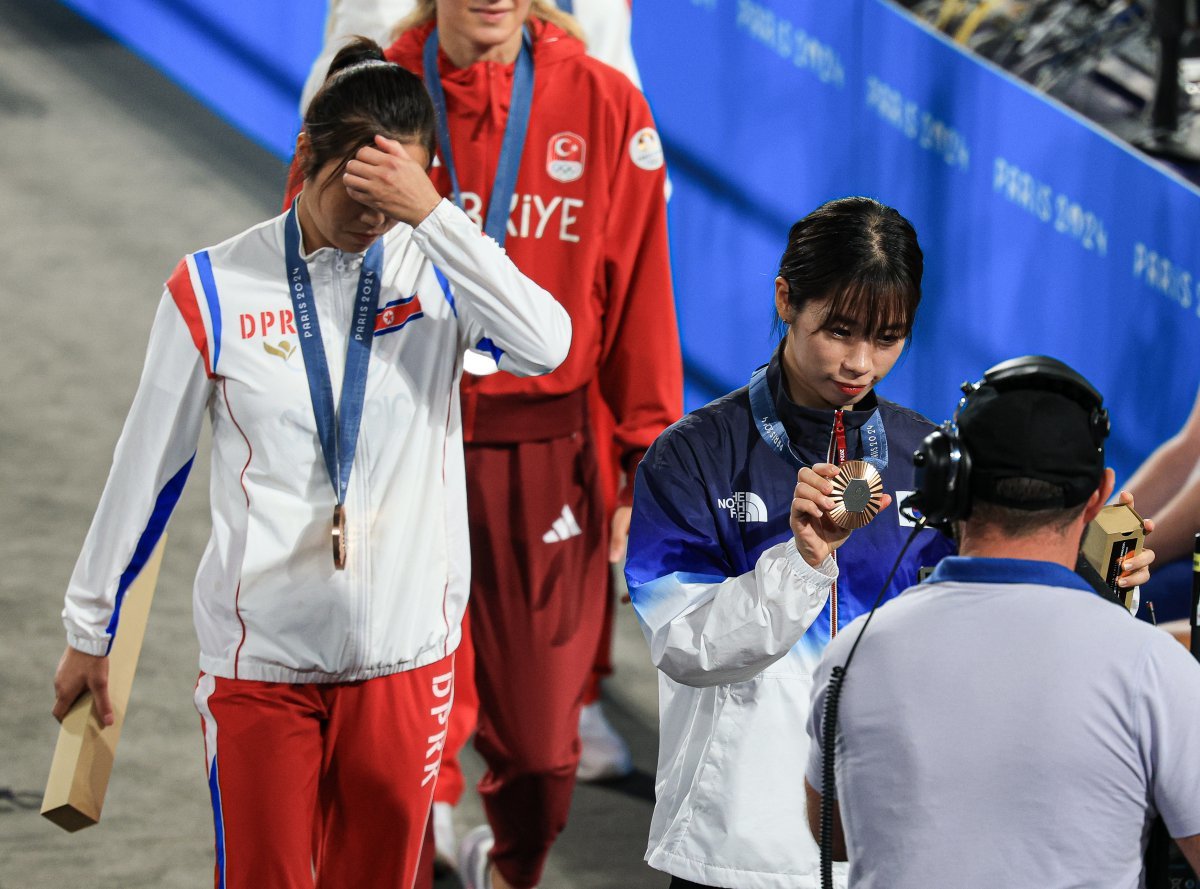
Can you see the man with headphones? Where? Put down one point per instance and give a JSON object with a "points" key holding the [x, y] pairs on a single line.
{"points": [[1002, 724]]}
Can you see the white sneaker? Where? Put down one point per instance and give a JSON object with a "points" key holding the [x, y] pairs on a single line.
{"points": [[474, 865], [604, 755], [445, 841]]}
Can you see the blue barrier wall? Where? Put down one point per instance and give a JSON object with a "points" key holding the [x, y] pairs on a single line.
{"points": [[246, 59], [1041, 233]]}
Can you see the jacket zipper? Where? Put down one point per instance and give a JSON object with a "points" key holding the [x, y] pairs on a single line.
{"points": [[363, 563], [343, 312]]}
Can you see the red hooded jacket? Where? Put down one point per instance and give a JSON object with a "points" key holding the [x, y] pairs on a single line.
{"points": [[588, 224]]}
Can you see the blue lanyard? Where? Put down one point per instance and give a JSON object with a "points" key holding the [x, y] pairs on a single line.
{"points": [[770, 427], [337, 429], [500, 201], [874, 441]]}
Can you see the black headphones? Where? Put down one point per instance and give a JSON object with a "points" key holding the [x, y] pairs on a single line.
{"points": [[943, 463]]}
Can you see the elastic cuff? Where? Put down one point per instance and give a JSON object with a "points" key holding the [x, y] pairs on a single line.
{"points": [[826, 570], [629, 464], [630, 461], [440, 217], [625, 494], [97, 647]]}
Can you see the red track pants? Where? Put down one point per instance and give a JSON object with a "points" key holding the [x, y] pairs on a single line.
{"points": [[538, 564], [466, 701], [325, 785]]}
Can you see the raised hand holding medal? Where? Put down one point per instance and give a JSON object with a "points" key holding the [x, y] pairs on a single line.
{"points": [[815, 531], [816, 499]]}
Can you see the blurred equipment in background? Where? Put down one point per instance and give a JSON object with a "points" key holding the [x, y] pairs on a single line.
{"points": [[1133, 66]]}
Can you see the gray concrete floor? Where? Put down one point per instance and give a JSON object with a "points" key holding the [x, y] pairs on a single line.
{"points": [[108, 174]]}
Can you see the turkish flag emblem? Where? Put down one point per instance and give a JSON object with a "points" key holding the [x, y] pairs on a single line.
{"points": [[565, 155]]}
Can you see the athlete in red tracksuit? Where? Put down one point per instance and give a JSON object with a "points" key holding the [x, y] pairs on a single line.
{"points": [[588, 223]]}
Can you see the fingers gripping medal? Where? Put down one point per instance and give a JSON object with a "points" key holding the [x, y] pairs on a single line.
{"points": [[857, 494]]}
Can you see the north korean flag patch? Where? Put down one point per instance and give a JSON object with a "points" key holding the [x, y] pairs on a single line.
{"points": [[397, 313]]}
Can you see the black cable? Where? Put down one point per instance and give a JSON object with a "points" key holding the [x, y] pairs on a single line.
{"points": [[828, 783], [833, 694]]}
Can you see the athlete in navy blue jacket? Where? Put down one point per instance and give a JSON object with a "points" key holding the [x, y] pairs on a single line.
{"points": [[735, 619]]}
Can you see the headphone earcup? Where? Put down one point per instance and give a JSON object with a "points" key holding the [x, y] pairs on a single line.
{"points": [[942, 477]]}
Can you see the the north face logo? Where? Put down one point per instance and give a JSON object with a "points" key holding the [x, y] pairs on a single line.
{"points": [[745, 506]]}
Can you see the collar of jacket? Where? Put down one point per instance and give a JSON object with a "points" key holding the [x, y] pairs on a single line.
{"points": [[482, 91], [966, 569], [809, 428]]}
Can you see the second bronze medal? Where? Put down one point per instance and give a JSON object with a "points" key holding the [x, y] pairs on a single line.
{"points": [[339, 537]]}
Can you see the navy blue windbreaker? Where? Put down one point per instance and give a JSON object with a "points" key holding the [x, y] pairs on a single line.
{"points": [[736, 620], [712, 494]]}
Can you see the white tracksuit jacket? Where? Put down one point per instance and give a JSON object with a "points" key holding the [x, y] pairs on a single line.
{"points": [[268, 603]]}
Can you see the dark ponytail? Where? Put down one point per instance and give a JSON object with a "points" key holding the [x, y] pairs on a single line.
{"points": [[863, 257], [364, 96]]}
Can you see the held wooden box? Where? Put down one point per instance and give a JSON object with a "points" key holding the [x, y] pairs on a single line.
{"points": [[1117, 532], [84, 754]]}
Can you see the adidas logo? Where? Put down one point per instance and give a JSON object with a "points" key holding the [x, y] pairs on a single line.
{"points": [[564, 528], [745, 506]]}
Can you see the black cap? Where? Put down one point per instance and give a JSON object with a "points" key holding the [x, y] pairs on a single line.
{"points": [[1040, 426]]}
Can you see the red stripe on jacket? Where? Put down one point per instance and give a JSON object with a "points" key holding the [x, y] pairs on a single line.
{"points": [[180, 286]]}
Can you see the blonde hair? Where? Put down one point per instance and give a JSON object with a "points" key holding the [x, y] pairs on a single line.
{"points": [[545, 10]]}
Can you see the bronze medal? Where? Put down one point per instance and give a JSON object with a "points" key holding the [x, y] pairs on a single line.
{"points": [[339, 537], [857, 493]]}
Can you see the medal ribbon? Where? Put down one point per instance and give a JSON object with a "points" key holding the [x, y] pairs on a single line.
{"points": [[837, 456], [336, 428], [874, 441], [505, 184], [837, 445], [770, 428]]}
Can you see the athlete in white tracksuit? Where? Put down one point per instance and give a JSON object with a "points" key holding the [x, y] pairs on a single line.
{"points": [[268, 603], [324, 691]]}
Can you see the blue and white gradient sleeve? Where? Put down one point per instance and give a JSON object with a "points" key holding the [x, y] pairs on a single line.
{"points": [[715, 631], [707, 621], [526, 330], [150, 465]]}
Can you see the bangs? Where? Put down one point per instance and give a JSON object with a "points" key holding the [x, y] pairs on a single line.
{"points": [[873, 307]]}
